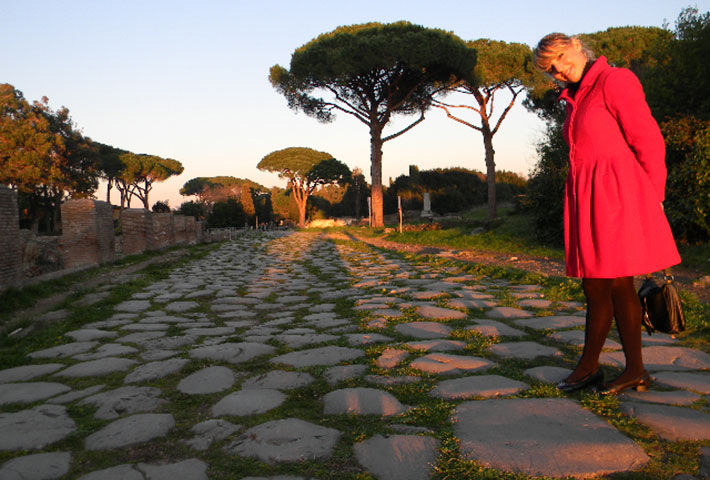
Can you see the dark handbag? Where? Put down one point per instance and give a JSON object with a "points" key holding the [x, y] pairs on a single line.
{"points": [[662, 309]]}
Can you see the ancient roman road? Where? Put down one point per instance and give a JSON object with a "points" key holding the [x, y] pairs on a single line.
{"points": [[288, 355]]}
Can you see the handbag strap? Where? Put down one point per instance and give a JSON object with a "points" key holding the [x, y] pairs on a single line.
{"points": [[667, 275]]}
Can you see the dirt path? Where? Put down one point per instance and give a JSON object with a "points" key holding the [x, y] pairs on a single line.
{"points": [[688, 280]]}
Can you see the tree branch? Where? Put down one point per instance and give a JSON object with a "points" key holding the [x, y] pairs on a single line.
{"points": [[453, 117], [507, 109], [395, 135]]}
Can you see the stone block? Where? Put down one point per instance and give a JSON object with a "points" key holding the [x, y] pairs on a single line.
{"points": [[163, 230], [180, 225], [87, 233], [10, 244], [137, 227]]}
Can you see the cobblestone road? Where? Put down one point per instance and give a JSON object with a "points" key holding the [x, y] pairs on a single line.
{"points": [[291, 356]]}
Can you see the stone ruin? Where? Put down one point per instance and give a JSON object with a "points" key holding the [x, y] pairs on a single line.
{"points": [[88, 237]]}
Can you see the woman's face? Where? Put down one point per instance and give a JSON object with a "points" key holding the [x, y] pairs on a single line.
{"points": [[568, 63]]}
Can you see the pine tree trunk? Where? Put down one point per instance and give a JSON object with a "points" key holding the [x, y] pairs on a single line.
{"points": [[490, 173], [376, 174]]}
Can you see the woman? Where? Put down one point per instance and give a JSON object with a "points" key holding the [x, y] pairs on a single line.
{"points": [[615, 227]]}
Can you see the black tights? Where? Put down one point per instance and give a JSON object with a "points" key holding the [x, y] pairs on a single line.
{"points": [[609, 298]]}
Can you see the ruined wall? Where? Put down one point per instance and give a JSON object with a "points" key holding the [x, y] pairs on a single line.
{"points": [[180, 232], [10, 243], [137, 231], [163, 230], [87, 233], [87, 237]]}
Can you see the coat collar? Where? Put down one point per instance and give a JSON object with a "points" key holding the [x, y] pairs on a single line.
{"points": [[599, 66]]}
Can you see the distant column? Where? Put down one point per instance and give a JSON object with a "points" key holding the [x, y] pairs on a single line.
{"points": [[426, 211], [87, 233], [137, 228], [10, 245]]}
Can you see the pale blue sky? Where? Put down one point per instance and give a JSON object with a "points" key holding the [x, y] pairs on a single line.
{"points": [[188, 79]]}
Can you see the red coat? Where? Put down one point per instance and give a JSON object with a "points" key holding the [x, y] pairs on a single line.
{"points": [[614, 220]]}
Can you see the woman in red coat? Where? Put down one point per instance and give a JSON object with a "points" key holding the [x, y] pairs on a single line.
{"points": [[615, 227]]}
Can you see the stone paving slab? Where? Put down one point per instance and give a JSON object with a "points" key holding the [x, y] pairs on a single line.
{"points": [[40, 466], [675, 397], [279, 380], [357, 339], [524, 350], [63, 351], [659, 358], [252, 401], [391, 357], [130, 431], [232, 352], [438, 313], [505, 434], [492, 328], [423, 330], [210, 431], [558, 322], [437, 345], [670, 423], [548, 374], [30, 392], [88, 334], [133, 306], [97, 368], [286, 440], [35, 428], [485, 386], [106, 350], [695, 381], [362, 401], [190, 469], [28, 372], [155, 370], [535, 303], [576, 338], [294, 340], [398, 457], [319, 356], [76, 395], [507, 312], [464, 303], [444, 364], [124, 401]]}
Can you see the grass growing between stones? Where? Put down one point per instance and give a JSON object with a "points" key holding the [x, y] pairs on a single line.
{"points": [[307, 404], [14, 349]]}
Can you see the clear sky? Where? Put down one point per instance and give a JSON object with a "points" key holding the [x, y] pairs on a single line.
{"points": [[189, 79]]}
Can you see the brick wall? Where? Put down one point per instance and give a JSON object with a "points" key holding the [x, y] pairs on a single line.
{"points": [[10, 242], [180, 233], [163, 230], [87, 233], [190, 230], [137, 228]]}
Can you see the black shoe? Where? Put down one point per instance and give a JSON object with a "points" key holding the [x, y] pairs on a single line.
{"points": [[594, 379], [640, 384]]}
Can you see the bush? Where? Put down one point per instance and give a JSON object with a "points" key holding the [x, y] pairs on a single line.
{"points": [[192, 209], [226, 214], [688, 187], [161, 206], [546, 187]]}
